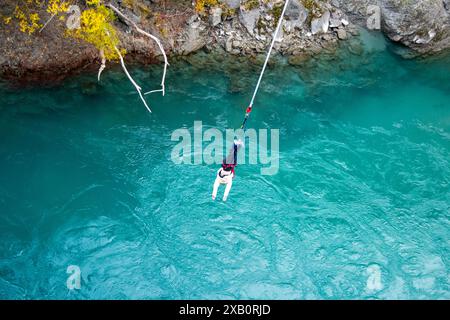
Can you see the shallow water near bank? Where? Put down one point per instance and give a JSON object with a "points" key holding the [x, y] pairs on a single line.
{"points": [[359, 208]]}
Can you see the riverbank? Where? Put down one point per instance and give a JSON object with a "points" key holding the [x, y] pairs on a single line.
{"points": [[232, 27]]}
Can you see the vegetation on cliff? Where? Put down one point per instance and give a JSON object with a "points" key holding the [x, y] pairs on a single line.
{"points": [[96, 28], [93, 24], [36, 39]]}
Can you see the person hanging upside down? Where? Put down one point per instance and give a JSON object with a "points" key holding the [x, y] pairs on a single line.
{"points": [[225, 175]]}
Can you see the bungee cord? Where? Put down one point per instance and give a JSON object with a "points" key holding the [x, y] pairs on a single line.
{"points": [[250, 106]]}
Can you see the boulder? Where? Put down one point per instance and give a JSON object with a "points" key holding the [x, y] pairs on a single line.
{"points": [[194, 39], [356, 48], [293, 10], [298, 60], [342, 34], [248, 18], [426, 38], [232, 4], [423, 26], [215, 16], [327, 37], [320, 25], [296, 13], [334, 23], [229, 44], [192, 19], [236, 44]]}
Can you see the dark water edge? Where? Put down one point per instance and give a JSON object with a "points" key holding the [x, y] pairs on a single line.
{"points": [[355, 53]]}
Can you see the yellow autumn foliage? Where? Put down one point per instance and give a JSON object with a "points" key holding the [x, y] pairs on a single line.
{"points": [[28, 23], [25, 13], [202, 5], [57, 6], [96, 28], [92, 2], [96, 25]]}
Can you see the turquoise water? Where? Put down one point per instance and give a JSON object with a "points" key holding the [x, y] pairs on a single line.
{"points": [[359, 208]]}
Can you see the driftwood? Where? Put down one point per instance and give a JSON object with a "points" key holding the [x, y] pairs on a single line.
{"points": [[138, 88], [103, 59], [102, 66], [158, 42]]}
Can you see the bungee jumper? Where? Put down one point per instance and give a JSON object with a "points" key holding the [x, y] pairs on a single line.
{"points": [[226, 173]]}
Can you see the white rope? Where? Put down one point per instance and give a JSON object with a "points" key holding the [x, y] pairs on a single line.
{"points": [[280, 22]]}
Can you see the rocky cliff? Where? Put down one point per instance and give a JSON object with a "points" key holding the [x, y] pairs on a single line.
{"points": [[423, 26], [238, 27]]}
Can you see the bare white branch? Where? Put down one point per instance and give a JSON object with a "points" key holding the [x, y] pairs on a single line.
{"points": [[103, 65], [48, 21], [138, 88], [158, 42]]}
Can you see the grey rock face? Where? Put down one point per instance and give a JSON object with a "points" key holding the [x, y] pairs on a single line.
{"points": [[420, 25], [215, 16], [298, 59], [194, 38], [296, 14], [229, 44], [320, 25], [249, 19], [293, 10], [423, 26], [233, 4], [334, 23], [342, 34]]}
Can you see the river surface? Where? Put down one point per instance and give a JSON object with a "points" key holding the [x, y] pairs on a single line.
{"points": [[359, 207]]}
